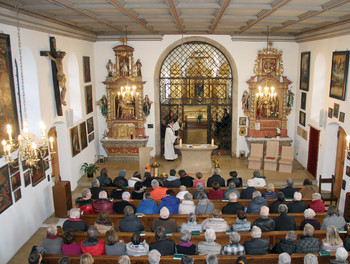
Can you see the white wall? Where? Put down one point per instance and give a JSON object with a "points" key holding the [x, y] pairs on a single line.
{"points": [[21, 220]]}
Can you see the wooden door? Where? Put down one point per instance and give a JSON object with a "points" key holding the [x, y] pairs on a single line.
{"points": [[54, 157], [313, 151], [339, 161]]}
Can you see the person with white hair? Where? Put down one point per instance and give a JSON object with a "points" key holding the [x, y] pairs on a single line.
{"points": [[284, 258], [308, 243], [216, 178], [309, 215], [74, 222], [200, 189], [234, 247], [103, 204], [231, 188], [332, 240], [169, 224], [333, 218], [297, 206], [284, 222], [257, 246], [154, 257], [204, 206], [52, 243], [182, 192], [130, 222], [265, 223], [217, 223], [212, 259], [286, 244], [95, 189], [257, 202], [191, 224], [258, 181], [147, 205], [158, 192], [317, 204], [310, 259], [123, 260], [209, 246], [186, 246], [270, 192], [233, 205], [289, 190], [341, 256], [247, 193], [85, 203], [187, 205], [186, 259], [119, 206]]}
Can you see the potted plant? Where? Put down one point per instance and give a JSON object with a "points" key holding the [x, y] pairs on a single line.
{"points": [[89, 169], [199, 117]]}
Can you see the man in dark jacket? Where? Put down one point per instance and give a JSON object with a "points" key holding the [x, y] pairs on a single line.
{"points": [[256, 203], [286, 244], [118, 207], [289, 190], [74, 222], [308, 243], [265, 223], [233, 206], [284, 222], [172, 180], [121, 177], [216, 177], [274, 205], [92, 245], [186, 179], [165, 246], [247, 193], [130, 223], [104, 179], [95, 189], [297, 206], [257, 246]]}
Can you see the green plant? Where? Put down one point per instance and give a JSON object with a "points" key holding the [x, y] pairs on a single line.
{"points": [[199, 117], [89, 169]]}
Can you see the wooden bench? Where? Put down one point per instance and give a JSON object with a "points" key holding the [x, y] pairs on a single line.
{"points": [[147, 220], [193, 190], [270, 258]]}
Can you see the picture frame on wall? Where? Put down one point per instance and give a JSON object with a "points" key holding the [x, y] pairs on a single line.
{"points": [[86, 65], [342, 117], [8, 96], [27, 178], [74, 139], [347, 171], [83, 135], [14, 167], [46, 165], [91, 137], [336, 110], [302, 118], [303, 101], [242, 121], [6, 200], [88, 99], [330, 112], [18, 195], [101, 159], [16, 181], [304, 71], [90, 125], [38, 174], [339, 74]]}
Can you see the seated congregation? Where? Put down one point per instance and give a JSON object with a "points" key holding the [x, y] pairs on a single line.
{"points": [[167, 221]]}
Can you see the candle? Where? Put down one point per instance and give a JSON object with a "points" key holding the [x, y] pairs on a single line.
{"points": [[51, 143], [212, 142], [180, 142], [9, 131], [347, 142], [8, 147], [4, 145]]}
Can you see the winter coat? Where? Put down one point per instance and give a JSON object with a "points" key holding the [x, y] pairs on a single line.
{"points": [[170, 202]]}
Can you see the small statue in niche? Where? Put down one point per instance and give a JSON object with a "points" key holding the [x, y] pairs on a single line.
{"points": [[245, 101], [124, 68], [199, 88], [109, 68], [290, 99], [138, 67], [147, 105], [103, 105]]}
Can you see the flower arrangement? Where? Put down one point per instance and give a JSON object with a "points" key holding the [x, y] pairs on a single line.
{"points": [[278, 132], [155, 165], [215, 161]]}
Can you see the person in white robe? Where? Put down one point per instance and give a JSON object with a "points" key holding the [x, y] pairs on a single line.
{"points": [[170, 138]]}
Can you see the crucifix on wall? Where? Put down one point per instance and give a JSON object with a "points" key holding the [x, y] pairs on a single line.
{"points": [[59, 78]]}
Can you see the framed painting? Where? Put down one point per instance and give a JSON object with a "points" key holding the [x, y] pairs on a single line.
{"points": [[91, 137], [74, 139], [243, 121], [88, 99], [342, 117], [46, 165], [303, 101], [101, 159], [16, 181], [86, 65], [8, 104], [347, 172], [83, 135], [336, 110], [302, 118], [339, 74], [348, 156], [18, 195], [14, 167], [5, 189], [90, 124], [27, 178], [304, 71], [330, 112], [38, 173], [24, 165]]}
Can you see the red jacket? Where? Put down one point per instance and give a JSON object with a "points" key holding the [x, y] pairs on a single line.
{"points": [[86, 206], [317, 206], [216, 194], [103, 205], [93, 248], [158, 193]]}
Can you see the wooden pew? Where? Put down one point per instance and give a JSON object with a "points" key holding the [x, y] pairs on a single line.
{"points": [[193, 190], [219, 204], [230, 219], [270, 258]]}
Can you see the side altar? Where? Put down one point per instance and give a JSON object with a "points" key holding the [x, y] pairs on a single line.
{"points": [[124, 107]]}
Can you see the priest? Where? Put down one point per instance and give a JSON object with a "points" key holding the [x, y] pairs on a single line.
{"points": [[170, 153]]}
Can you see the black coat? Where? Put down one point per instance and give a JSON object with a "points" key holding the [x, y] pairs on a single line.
{"points": [[285, 222], [284, 245], [75, 224], [173, 184], [265, 224], [147, 182], [165, 247], [232, 208], [118, 207], [296, 207], [120, 178], [257, 246], [187, 181], [95, 191], [105, 181], [247, 193], [216, 178], [289, 191], [274, 206], [236, 180], [130, 223]]}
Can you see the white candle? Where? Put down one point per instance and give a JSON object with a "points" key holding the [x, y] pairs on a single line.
{"points": [[4, 145], [212, 142], [180, 142], [51, 143], [9, 131], [347, 142]]}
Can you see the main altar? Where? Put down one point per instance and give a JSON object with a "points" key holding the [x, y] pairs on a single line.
{"points": [[124, 107]]}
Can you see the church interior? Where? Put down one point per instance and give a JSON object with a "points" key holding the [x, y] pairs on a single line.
{"points": [[105, 77]]}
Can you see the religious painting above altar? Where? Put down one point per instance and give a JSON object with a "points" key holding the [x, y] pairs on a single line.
{"points": [[269, 100]]}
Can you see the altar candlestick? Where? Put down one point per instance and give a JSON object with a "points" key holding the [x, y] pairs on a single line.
{"points": [[212, 142], [180, 142]]}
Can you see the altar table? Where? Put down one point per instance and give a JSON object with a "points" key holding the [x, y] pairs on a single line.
{"points": [[195, 158]]}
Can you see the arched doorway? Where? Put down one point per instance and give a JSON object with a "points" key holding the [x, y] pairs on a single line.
{"points": [[196, 84]]}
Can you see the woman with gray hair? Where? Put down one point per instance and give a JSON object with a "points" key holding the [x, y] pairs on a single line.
{"points": [[185, 246], [209, 246], [233, 247], [187, 205], [317, 204], [200, 188], [191, 225], [333, 218], [309, 215], [341, 256], [85, 203], [204, 205]]}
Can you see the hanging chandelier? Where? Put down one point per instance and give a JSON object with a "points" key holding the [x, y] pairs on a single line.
{"points": [[28, 146]]}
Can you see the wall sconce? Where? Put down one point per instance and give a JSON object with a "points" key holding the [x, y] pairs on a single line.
{"points": [[347, 143]]}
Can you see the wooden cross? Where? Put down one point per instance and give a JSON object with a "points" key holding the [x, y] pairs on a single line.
{"points": [[58, 76]]}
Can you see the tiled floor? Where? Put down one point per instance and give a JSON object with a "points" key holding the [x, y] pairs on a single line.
{"points": [[227, 164]]}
